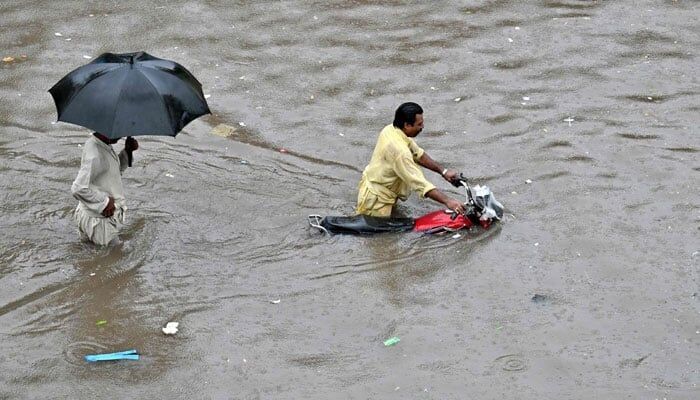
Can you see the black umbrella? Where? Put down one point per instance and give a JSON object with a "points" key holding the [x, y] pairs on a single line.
{"points": [[130, 94]]}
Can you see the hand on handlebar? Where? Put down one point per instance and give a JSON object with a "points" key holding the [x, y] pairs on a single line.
{"points": [[455, 206], [454, 177]]}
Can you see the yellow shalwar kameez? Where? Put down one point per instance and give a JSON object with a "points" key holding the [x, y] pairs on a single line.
{"points": [[392, 173]]}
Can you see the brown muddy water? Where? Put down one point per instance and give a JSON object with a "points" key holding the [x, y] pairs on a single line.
{"points": [[590, 288]]}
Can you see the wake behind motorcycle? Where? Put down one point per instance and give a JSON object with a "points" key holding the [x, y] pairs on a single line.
{"points": [[481, 207]]}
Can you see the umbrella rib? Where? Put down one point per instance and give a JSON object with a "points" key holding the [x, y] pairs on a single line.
{"points": [[121, 92], [159, 97]]}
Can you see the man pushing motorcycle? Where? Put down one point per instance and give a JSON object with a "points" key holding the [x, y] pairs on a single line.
{"points": [[393, 171]]}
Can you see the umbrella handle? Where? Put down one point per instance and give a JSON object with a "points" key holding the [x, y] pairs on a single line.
{"points": [[129, 155]]}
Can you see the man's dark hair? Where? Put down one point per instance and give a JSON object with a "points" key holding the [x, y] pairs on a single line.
{"points": [[406, 114]]}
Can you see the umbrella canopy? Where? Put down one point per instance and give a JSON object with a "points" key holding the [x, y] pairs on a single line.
{"points": [[130, 94]]}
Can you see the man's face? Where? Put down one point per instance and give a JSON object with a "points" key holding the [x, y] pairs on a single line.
{"points": [[414, 130]]}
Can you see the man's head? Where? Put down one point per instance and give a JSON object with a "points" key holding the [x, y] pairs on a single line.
{"points": [[409, 118]]}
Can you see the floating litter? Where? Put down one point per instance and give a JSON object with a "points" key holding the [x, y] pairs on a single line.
{"points": [[275, 301], [57, 34], [170, 175], [87, 57], [528, 181], [391, 341], [458, 99], [121, 355], [171, 328], [101, 322], [223, 130], [456, 235]]}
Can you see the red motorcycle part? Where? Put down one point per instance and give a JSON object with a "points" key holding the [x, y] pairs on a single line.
{"points": [[440, 220]]}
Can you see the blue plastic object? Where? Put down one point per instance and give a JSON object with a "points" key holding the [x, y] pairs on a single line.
{"points": [[121, 355]]}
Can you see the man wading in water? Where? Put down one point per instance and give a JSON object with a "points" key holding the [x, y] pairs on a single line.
{"points": [[98, 188], [394, 168]]}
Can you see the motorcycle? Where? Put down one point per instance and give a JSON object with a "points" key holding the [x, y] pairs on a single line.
{"points": [[481, 208]]}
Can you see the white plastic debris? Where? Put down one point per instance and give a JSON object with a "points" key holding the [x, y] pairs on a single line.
{"points": [[92, 274], [528, 181], [86, 57], [526, 98], [58, 34], [569, 120], [456, 236], [169, 175], [206, 96], [171, 328], [513, 192], [510, 40], [241, 123], [68, 39], [275, 301], [537, 244], [458, 99]]}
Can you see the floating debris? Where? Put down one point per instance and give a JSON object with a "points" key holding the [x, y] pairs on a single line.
{"points": [[510, 40], [169, 175], [391, 341], [458, 99], [101, 322], [171, 328], [539, 298], [241, 123], [223, 130], [275, 301], [569, 120], [86, 57], [58, 34], [633, 362], [121, 355], [8, 59], [283, 150], [528, 181], [456, 236]]}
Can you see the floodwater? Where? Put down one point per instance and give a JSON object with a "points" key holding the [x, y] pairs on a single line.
{"points": [[590, 287]]}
